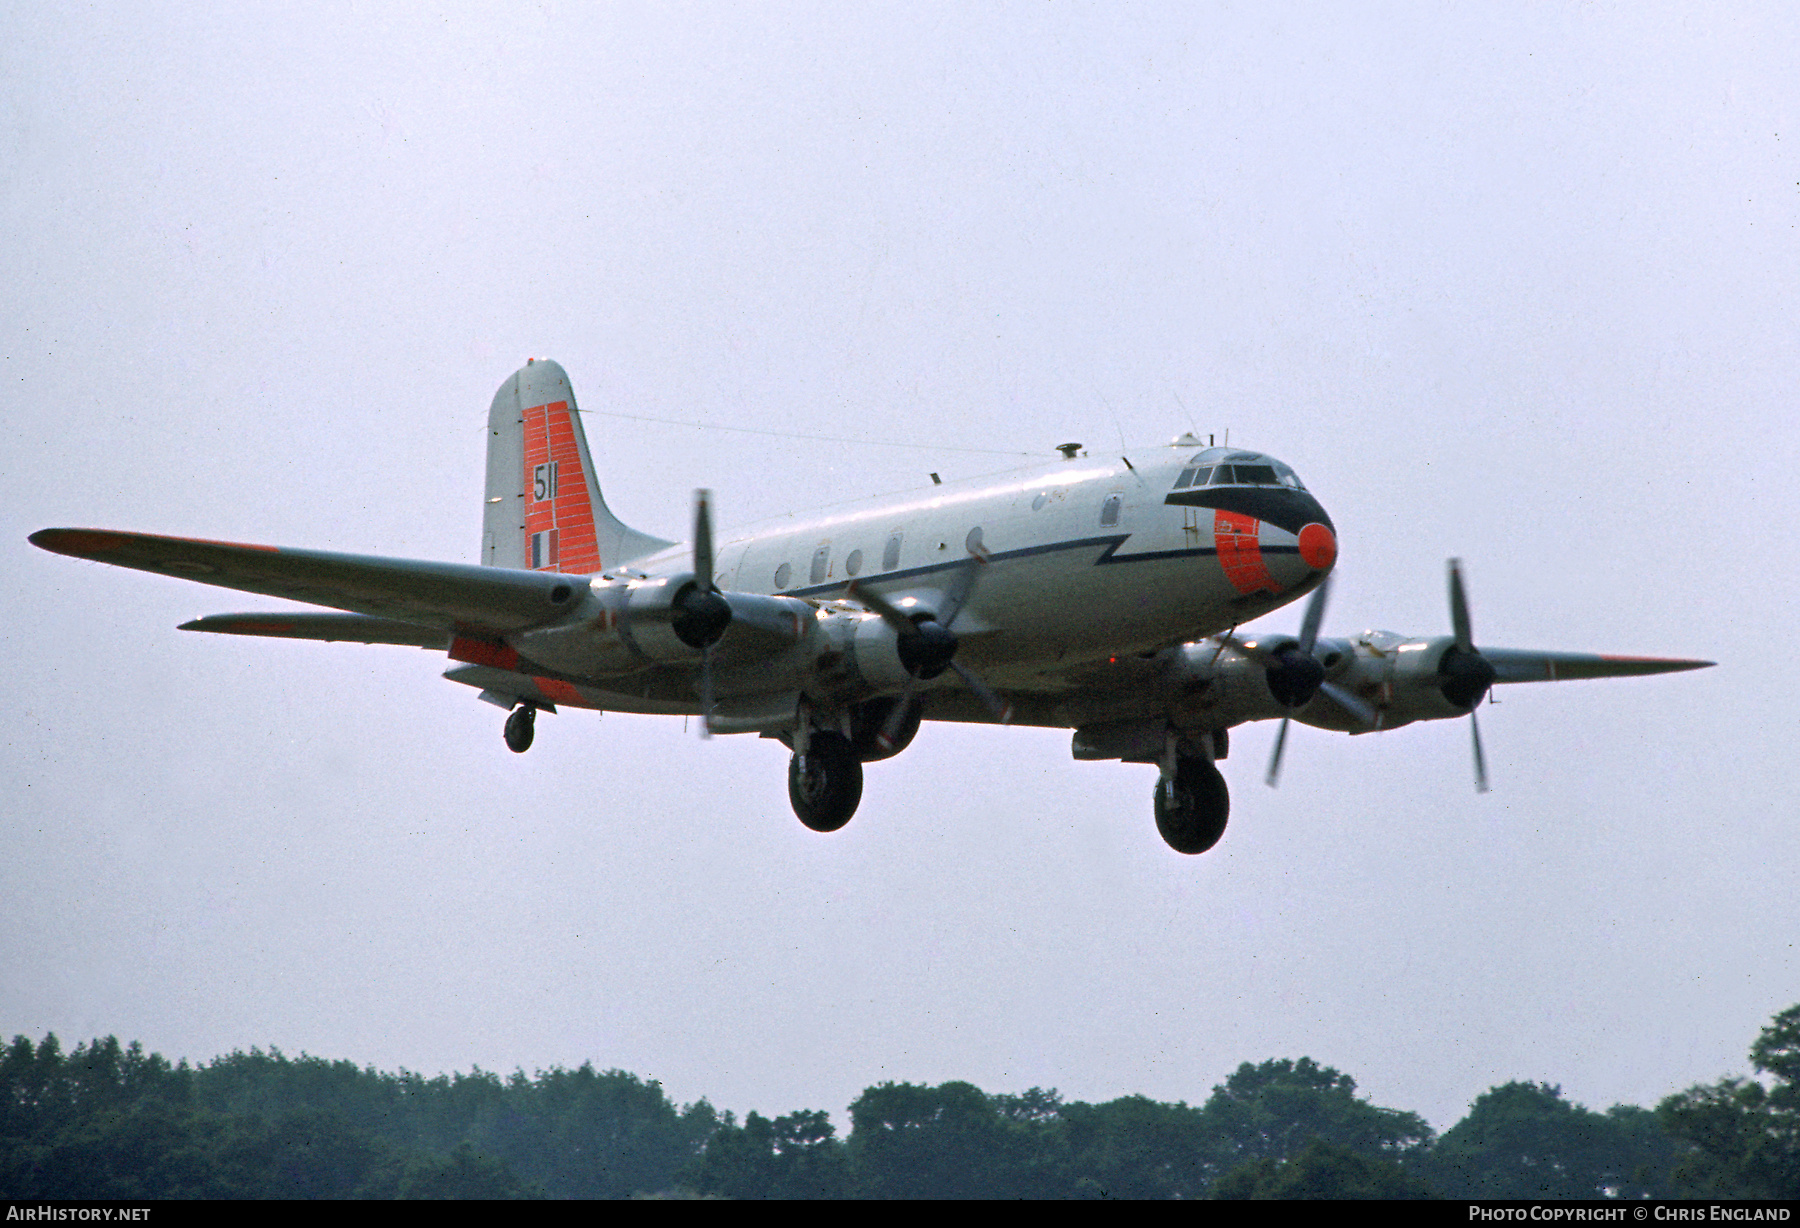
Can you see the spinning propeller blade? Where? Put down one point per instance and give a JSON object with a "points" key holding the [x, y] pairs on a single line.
{"points": [[1002, 710], [927, 645], [1468, 674], [703, 544], [1309, 636], [1481, 784], [1459, 609], [704, 583]]}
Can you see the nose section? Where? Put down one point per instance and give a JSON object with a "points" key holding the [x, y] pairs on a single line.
{"points": [[1296, 560], [1318, 546]]}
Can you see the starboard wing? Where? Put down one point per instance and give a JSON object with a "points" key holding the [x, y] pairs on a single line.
{"points": [[445, 596], [1527, 665]]}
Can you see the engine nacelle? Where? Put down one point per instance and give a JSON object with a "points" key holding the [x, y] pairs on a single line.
{"points": [[623, 625], [851, 655], [1216, 689], [1405, 680]]}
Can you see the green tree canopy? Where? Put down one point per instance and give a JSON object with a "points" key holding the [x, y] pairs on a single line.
{"points": [[1524, 1140], [1272, 1110], [1742, 1138], [794, 1156], [1321, 1170], [908, 1140]]}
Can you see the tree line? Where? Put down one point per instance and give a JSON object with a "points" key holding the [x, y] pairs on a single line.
{"points": [[110, 1121]]}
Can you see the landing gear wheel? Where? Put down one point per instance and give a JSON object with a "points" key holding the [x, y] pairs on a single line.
{"points": [[1191, 808], [826, 789], [520, 727]]}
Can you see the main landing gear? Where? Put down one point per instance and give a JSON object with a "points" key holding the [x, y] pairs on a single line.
{"points": [[520, 727], [825, 780], [1192, 801]]}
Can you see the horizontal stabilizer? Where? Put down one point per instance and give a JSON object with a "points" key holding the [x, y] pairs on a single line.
{"points": [[449, 596], [1524, 665], [346, 628]]}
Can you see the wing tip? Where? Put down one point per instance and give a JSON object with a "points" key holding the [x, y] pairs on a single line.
{"points": [[98, 543], [1658, 665], [77, 543]]}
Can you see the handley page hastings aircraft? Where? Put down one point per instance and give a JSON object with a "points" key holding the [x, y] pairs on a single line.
{"points": [[1091, 595]]}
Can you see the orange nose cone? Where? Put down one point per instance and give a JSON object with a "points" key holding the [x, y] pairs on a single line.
{"points": [[1318, 546]]}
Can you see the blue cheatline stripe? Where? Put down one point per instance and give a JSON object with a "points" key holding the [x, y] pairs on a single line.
{"points": [[1108, 556]]}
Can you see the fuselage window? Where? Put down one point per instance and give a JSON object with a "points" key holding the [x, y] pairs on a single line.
{"points": [[853, 562], [821, 563], [783, 574], [1109, 511], [890, 557], [972, 543]]}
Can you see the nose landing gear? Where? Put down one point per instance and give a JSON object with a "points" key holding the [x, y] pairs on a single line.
{"points": [[520, 728], [1192, 800]]}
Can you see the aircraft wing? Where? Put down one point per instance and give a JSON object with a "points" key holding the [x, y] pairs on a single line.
{"points": [[350, 628], [1526, 665], [445, 596]]}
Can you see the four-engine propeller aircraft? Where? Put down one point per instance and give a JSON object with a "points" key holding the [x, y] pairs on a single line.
{"points": [[1095, 595]]}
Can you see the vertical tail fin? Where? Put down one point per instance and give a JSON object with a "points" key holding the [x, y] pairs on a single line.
{"points": [[544, 511]]}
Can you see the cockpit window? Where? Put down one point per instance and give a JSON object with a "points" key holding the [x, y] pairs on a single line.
{"points": [[1256, 469]]}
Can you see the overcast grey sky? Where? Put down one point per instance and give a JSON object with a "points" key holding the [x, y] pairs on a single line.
{"points": [[1512, 284]]}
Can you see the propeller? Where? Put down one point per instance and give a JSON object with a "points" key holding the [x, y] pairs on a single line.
{"points": [[1467, 674], [701, 614], [927, 646], [1464, 674], [1300, 666]]}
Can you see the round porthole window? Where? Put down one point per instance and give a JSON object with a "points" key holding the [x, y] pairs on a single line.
{"points": [[973, 541], [853, 563], [1038, 503], [783, 574]]}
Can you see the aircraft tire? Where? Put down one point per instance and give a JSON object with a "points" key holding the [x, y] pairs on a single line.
{"points": [[826, 794], [521, 726], [1192, 809]]}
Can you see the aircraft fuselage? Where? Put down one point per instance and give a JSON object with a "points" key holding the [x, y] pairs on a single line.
{"points": [[1082, 561]]}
